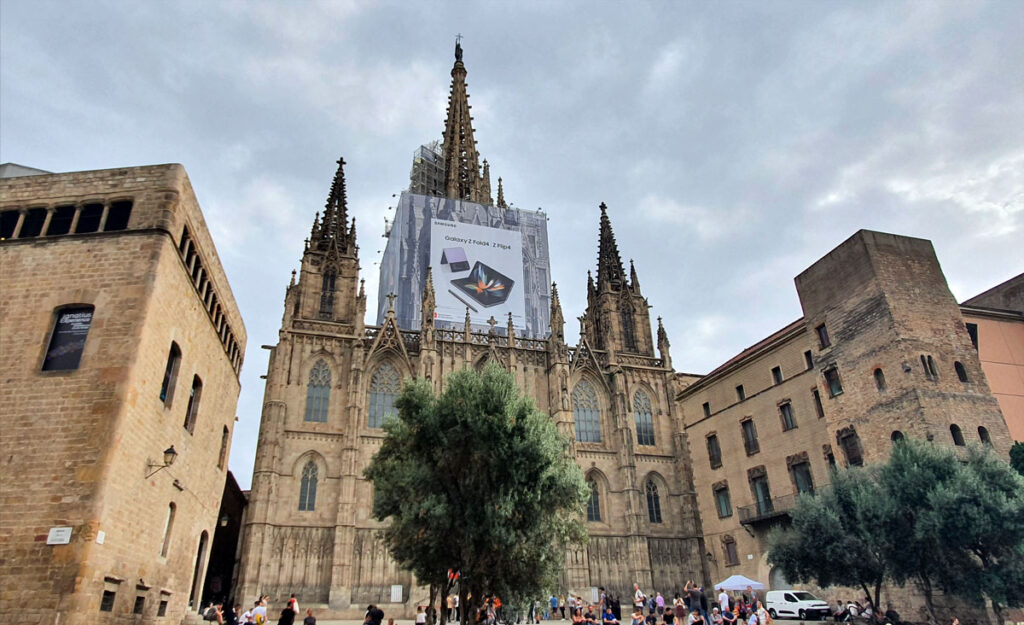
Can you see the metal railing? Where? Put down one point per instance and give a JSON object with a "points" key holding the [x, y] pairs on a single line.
{"points": [[767, 509]]}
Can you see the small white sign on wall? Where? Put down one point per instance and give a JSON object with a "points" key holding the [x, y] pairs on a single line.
{"points": [[396, 593], [101, 536], [594, 597], [59, 536], [750, 556]]}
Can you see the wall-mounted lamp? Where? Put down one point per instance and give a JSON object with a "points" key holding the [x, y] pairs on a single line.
{"points": [[170, 455], [224, 521], [710, 556]]}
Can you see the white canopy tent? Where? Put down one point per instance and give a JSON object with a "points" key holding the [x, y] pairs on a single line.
{"points": [[738, 582]]}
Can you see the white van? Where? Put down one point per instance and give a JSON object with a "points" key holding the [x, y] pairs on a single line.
{"points": [[795, 604]]}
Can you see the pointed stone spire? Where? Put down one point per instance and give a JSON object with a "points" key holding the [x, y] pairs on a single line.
{"points": [[557, 320], [468, 327], [331, 230], [610, 275], [462, 178], [511, 329], [362, 288], [352, 231], [634, 282], [501, 195], [663, 346], [591, 289], [485, 184], [429, 300]]}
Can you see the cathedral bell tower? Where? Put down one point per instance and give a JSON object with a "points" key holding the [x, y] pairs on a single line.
{"points": [[616, 318], [329, 288]]}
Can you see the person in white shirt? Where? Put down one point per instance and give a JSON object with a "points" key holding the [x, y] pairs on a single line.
{"points": [[723, 600], [259, 613]]}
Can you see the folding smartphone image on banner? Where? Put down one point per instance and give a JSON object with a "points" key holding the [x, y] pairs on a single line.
{"points": [[455, 258], [485, 285]]}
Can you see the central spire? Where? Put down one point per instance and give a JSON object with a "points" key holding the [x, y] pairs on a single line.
{"points": [[610, 274], [332, 229], [463, 179]]}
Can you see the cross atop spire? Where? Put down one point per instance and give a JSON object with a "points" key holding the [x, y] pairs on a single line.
{"points": [[331, 228], [462, 173], [610, 274]]}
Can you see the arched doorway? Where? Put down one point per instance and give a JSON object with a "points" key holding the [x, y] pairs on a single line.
{"points": [[197, 578], [777, 580]]}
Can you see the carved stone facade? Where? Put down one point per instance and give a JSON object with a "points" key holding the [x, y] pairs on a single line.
{"points": [[331, 380]]}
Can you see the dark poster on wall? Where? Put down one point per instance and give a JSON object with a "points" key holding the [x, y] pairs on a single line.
{"points": [[68, 340]]}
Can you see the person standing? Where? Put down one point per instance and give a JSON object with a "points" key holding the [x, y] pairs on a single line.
{"points": [[659, 604], [287, 615], [723, 600], [638, 598], [310, 619], [561, 605]]}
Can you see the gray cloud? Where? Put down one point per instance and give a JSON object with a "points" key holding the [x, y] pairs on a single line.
{"points": [[735, 143]]}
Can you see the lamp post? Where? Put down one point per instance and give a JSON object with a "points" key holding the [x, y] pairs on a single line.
{"points": [[152, 468]]}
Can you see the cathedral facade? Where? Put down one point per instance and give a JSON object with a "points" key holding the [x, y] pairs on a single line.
{"points": [[332, 381]]}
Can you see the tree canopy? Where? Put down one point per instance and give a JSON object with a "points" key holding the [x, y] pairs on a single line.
{"points": [[477, 480], [926, 515]]}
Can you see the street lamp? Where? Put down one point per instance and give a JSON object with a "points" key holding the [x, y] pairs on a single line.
{"points": [[170, 455]]}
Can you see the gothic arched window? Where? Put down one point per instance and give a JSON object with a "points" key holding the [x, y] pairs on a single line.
{"points": [[644, 419], [384, 387], [327, 294], [628, 329], [307, 490], [586, 412], [594, 504], [318, 392], [653, 502]]}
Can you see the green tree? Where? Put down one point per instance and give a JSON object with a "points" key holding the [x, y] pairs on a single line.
{"points": [[479, 481], [834, 537], [1017, 456], [960, 522]]}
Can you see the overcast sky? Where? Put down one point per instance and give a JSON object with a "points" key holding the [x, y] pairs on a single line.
{"points": [[734, 143]]}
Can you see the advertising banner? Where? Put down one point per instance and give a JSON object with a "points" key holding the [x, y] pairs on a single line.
{"points": [[478, 268]]}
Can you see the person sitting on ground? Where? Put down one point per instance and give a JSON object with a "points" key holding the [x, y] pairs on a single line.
{"points": [[716, 616], [577, 616], [637, 618], [652, 619], [609, 617], [728, 618], [669, 616], [588, 616], [695, 617], [892, 617]]}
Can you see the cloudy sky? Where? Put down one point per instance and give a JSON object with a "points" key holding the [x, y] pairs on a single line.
{"points": [[734, 142]]}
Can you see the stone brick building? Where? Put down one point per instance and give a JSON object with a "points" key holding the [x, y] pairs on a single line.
{"points": [[882, 352], [119, 340], [332, 380]]}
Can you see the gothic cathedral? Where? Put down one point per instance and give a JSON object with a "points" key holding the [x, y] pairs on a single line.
{"points": [[332, 380]]}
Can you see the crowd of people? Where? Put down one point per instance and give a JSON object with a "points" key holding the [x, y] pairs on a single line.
{"points": [[233, 614]]}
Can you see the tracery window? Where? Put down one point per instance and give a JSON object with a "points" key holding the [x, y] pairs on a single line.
{"points": [[586, 412], [327, 294], [307, 489], [653, 502], [594, 504], [318, 393], [384, 387], [628, 329], [644, 419]]}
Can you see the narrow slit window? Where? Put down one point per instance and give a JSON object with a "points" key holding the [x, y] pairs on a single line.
{"points": [[222, 458], [192, 411], [961, 372], [170, 375], [879, 380], [166, 544], [740, 393], [819, 409], [808, 360], [823, 339], [707, 409]]}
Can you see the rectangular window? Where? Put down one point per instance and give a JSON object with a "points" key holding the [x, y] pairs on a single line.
{"points": [[972, 331], [835, 387], [818, 408], [808, 360], [107, 602], [714, 451], [750, 437], [67, 342], [32, 226], [60, 221], [722, 502], [777, 375], [118, 215], [89, 218], [8, 222], [732, 558], [161, 610], [740, 393], [140, 604], [707, 409], [786, 414], [802, 477], [223, 457], [762, 495], [850, 443], [823, 339]]}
